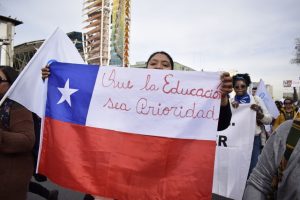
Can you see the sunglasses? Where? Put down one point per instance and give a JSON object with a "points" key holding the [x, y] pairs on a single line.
{"points": [[240, 86], [286, 103], [3, 80]]}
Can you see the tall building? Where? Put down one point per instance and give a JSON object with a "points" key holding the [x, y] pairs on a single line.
{"points": [[106, 33], [120, 33], [7, 32]]}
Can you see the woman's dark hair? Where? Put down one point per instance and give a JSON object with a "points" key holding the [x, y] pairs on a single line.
{"points": [[10, 73], [241, 77], [164, 53], [288, 99]]}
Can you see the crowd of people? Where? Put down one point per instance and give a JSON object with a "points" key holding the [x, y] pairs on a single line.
{"points": [[273, 168]]}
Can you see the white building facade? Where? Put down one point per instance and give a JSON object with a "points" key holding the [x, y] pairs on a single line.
{"points": [[7, 32]]}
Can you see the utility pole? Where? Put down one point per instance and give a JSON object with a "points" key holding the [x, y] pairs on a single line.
{"points": [[4, 42]]}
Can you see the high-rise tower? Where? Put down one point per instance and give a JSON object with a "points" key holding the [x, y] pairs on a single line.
{"points": [[106, 35]]}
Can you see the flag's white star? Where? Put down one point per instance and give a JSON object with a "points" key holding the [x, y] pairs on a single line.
{"points": [[66, 93]]}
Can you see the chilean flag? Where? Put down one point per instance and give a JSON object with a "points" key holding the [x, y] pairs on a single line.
{"points": [[144, 158]]}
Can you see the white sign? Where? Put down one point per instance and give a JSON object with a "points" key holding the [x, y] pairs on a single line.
{"points": [[287, 83], [233, 153], [291, 83], [146, 99], [295, 83]]}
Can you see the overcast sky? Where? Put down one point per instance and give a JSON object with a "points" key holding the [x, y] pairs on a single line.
{"points": [[253, 36]]}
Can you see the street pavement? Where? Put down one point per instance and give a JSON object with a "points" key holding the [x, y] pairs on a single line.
{"points": [[64, 194]]}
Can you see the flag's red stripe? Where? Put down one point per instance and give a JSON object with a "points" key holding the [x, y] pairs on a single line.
{"points": [[124, 165]]}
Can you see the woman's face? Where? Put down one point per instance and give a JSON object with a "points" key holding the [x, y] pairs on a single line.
{"points": [[288, 104], [159, 61], [4, 85], [240, 88]]}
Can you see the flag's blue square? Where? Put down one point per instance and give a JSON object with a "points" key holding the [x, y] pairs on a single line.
{"points": [[70, 89]]}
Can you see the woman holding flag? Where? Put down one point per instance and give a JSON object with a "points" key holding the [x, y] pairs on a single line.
{"points": [[163, 61]]}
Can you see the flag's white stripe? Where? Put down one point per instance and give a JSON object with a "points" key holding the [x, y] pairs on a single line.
{"points": [[134, 120]]}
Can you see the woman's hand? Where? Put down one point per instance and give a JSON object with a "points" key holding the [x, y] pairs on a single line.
{"points": [[235, 104], [258, 110], [45, 72], [226, 87]]}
